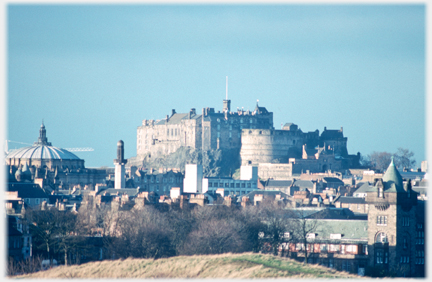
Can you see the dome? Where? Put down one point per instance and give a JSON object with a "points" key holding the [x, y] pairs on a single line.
{"points": [[42, 149], [42, 152]]}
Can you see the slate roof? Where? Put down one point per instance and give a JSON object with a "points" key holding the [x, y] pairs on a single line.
{"points": [[278, 183], [392, 179], [351, 200], [27, 190], [131, 192], [321, 213], [364, 188], [331, 134], [177, 118], [303, 183], [350, 230], [333, 180]]}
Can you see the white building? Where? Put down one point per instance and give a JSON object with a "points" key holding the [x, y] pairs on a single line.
{"points": [[194, 182]]}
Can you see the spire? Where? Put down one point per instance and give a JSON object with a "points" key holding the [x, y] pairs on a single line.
{"points": [[392, 175]]}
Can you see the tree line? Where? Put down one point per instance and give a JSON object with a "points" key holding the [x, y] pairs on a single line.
{"points": [[152, 232], [403, 158]]}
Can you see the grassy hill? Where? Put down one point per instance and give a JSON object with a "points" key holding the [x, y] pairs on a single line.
{"points": [[246, 265]]}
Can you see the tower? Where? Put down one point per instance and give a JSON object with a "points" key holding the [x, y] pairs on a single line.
{"points": [[226, 102], [391, 224], [120, 162]]}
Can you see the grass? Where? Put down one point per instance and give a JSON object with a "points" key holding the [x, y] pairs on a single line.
{"points": [[246, 265]]}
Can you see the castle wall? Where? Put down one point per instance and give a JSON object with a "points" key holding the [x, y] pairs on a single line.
{"points": [[268, 146]]}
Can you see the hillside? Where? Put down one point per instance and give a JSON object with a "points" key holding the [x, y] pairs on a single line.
{"points": [[215, 162], [246, 265]]}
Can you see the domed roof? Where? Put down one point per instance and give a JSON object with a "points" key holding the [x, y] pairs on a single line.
{"points": [[42, 149]]}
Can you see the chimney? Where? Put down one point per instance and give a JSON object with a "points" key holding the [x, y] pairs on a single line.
{"points": [[173, 112]]}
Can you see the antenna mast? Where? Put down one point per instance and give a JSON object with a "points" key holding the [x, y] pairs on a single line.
{"points": [[226, 88]]}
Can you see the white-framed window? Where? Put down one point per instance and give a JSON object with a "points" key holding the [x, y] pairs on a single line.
{"points": [[310, 235], [381, 238], [335, 236], [381, 220]]}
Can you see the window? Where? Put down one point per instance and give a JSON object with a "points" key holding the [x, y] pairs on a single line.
{"points": [[364, 249], [404, 259], [243, 185], [381, 238], [405, 221], [226, 184], [405, 243], [232, 185], [310, 235], [334, 248], [380, 192], [419, 257], [335, 236], [379, 256], [381, 220], [210, 184], [323, 247]]}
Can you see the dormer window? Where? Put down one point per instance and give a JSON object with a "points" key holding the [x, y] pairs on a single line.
{"points": [[380, 192]]}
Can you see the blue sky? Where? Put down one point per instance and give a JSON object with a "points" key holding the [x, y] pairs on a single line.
{"points": [[94, 72]]}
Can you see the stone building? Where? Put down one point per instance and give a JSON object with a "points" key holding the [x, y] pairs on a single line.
{"points": [[208, 130], [392, 224], [51, 166]]}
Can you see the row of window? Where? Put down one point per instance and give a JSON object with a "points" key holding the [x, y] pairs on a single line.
{"points": [[237, 193], [231, 185], [404, 259], [164, 180], [419, 257], [381, 257], [330, 248]]}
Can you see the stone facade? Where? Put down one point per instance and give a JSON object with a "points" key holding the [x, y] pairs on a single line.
{"points": [[392, 224], [206, 131]]}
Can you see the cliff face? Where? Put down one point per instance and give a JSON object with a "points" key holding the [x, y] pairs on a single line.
{"points": [[215, 162]]}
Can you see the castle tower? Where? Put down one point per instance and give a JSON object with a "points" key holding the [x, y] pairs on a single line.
{"points": [[120, 162], [226, 105], [226, 102], [391, 225]]}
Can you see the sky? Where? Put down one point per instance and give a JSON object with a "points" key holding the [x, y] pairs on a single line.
{"points": [[92, 73]]}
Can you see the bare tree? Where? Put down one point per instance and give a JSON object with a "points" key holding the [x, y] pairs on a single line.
{"points": [[380, 160], [214, 236], [404, 158], [302, 227]]}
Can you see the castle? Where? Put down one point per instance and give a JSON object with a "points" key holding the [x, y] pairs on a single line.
{"points": [[250, 132]]}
